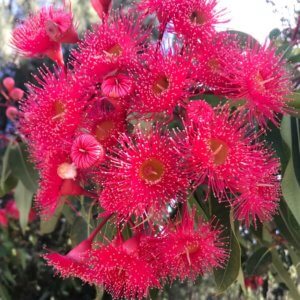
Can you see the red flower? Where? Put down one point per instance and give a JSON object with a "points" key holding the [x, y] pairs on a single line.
{"points": [[162, 82], [122, 271], [3, 218], [12, 113], [145, 172], [73, 264], [219, 151], [52, 186], [263, 83], [86, 151], [13, 211], [16, 94], [52, 113], [42, 33], [102, 7], [194, 19], [259, 190], [189, 249]]}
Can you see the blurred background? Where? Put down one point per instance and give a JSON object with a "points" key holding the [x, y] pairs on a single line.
{"points": [[23, 274]]}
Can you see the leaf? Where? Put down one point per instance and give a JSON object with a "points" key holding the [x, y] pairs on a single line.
{"points": [[290, 184], [48, 226], [287, 225], [5, 172], [284, 275], [4, 295], [244, 39], [23, 198], [258, 262], [8, 185], [21, 167], [79, 231], [229, 274]]}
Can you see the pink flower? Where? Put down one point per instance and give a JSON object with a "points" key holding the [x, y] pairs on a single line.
{"points": [[73, 264], [13, 211], [194, 19], [262, 82], [259, 190], [122, 271], [16, 94], [51, 114], [86, 151], [43, 33], [219, 151], [8, 83], [187, 250], [145, 172], [116, 85], [3, 218], [52, 187], [12, 113], [199, 112], [162, 82], [102, 7]]}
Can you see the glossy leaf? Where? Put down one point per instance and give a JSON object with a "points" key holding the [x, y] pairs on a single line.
{"points": [[258, 262]]}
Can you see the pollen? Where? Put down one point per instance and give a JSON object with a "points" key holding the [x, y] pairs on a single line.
{"points": [[219, 151], [152, 171], [160, 85]]}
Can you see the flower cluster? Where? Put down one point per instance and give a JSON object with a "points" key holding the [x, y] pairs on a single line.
{"points": [[127, 122]]}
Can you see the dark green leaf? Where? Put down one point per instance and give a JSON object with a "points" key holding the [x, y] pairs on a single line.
{"points": [[4, 295], [7, 186], [229, 274], [79, 231], [23, 198], [258, 262]]}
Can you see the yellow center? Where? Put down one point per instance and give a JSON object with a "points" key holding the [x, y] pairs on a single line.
{"points": [[259, 82], [152, 171], [219, 150], [160, 85], [103, 130], [58, 110], [214, 65], [114, 51], [198, 17]]}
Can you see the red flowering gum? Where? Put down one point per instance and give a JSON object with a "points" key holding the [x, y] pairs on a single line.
{"points": [[51, 114], [262, 82], [218, 151], [12, 113], [145, 173], [3, 218], [111, 46], [102, 7], [42, 33], [73, 264], [122, 272], [105, 122], [194, 19], [259, 190], [86, 151], [52, 187], [162, 82], [199, 112], [190, 249]]}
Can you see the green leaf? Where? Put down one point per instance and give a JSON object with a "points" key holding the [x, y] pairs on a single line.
{"points": [[244, 39], [229, 274], [8, 185], [21, 167], [258, 262], [79, 231], [284, 275], [4, 295], [5, 172], [290, 184], [287, 225], [23, 198], [48, 226]]}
